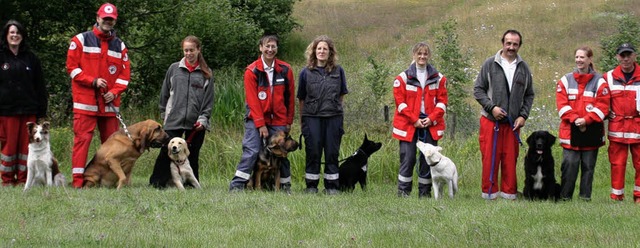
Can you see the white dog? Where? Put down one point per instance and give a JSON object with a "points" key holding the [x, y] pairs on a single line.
{"points": [[443, 170], [181, 171], [42, 167]]}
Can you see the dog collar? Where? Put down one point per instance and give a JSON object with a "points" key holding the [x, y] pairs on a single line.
{"points": [[436, 163]]}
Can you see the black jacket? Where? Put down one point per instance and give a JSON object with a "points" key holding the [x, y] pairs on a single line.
{"points": [[22, 87]]}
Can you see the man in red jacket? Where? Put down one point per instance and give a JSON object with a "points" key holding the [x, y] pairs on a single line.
{"points": [[98, 64], [624, 120]]}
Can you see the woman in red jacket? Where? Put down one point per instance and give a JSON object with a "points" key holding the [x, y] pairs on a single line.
{"points": [[582, 99], [421, 99]]}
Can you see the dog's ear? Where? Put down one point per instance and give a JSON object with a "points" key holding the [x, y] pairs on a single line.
{"points": [[185, 148], [365, 137], [30, 125], [46, 125], [531, 138], [438, 148], [551, 139]]}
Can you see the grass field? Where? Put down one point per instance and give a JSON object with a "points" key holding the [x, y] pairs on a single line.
{"points": [[140, 216]]}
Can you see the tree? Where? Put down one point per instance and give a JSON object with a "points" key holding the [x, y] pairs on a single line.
{"points": [[454, 66], [628, 30]]}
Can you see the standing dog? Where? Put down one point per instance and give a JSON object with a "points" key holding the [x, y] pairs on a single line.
{"points": [[443, 170], [266, 171], [114, 160], [42, 167], [181, 171], [540, 181], [354, 169]]}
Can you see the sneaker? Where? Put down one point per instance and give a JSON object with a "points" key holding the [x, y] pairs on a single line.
{"points": [[311, 190], [617, 197], [331, 191]]}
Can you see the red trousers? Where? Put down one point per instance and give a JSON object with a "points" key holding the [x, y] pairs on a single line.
{"points": [[506, 156], [83, 127], [618, 153], [14, 139]]}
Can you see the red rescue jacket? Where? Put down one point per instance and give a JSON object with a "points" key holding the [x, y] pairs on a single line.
{"points": [[624, 120], [93, 55], [267, 105], [408, 96], [581, 96]]}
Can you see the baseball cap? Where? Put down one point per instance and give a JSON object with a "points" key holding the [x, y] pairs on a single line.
{"points": [[108, 10], [625, 47]]}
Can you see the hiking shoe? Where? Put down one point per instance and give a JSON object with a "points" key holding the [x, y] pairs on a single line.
{"points": [[236, 190], [311, 190], [286, 188], [403, 194]]}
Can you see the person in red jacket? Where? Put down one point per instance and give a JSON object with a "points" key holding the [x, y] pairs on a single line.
{"points": [[421, 101], [269, 97], [582, 100], [98, 64], [624, 120]]}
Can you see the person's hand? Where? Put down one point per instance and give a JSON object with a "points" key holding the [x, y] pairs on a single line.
{"points": [[108, 97], [288, 130], [581, 123], [100, 83], [264, 132], [198, 126], [418, 124], [426, 122], [498, 113], [518, 123]]}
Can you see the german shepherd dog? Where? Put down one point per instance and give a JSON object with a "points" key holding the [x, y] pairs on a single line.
{"points": [[354, 169], [266, 172]]}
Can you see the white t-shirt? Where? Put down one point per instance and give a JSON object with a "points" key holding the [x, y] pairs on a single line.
{"points": [[509, 70], [422, 77]]}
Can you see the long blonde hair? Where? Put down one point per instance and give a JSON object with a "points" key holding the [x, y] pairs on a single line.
{"points": [[203, 64], [310, 53]]}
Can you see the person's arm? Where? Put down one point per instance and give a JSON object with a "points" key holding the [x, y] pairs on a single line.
{"points": [[207, 103], [565, 111], [74, 55], [291, 108], [165, 91]]}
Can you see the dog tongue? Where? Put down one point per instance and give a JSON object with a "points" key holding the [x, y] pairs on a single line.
{"points": [[539, 151]]}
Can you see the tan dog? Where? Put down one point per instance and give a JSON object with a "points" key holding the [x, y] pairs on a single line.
{"points": [[267, 167], [180, 167], [114, 160]]}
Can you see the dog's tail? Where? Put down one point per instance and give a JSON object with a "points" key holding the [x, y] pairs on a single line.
{"points": [[59, 180]]}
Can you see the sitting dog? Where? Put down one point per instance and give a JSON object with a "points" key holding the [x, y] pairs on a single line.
{"points": [[540, 181], [443, 170], [113, 162], [354, 169], [181, 171], [266, 171], [42, 167]]}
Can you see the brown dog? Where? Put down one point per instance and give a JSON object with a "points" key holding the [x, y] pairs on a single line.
{"points": [[114, 160], [267, 168]]}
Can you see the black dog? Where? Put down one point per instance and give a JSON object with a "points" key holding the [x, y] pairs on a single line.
{"points": [[354, 168], [540, 181]]}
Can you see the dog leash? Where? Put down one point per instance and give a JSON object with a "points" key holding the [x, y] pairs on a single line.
{"points": [[119, 117]]}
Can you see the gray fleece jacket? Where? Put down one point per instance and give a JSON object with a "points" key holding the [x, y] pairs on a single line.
{"points": [[491, 89], [185, 98]]}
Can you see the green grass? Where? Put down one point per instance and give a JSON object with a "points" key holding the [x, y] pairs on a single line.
{"points": [[142, 216]]}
